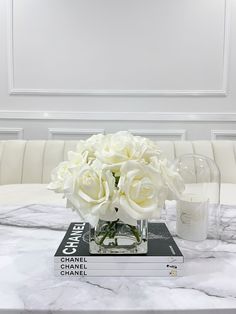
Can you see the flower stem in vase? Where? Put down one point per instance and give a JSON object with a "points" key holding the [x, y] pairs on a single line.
{"points": [[117, 237], [135, 232], [109, 232]]}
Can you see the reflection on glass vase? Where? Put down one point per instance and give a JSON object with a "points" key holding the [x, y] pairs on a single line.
{"points": [[116, 237]]}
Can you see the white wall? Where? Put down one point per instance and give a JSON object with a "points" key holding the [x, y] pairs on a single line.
{"points": [[163, 68]]}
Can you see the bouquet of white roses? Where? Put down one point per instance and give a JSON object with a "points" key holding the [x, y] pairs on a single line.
{"points": [[116, 177]]}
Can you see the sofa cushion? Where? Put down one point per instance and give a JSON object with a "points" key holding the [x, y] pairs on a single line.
{"points": [[228, 194], [32, 161], [13, 194], [24, 194]]}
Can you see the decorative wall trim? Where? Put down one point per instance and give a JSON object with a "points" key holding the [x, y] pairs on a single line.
{"points": [[215, 134], [180, 134], [172, 93], [168, 93], [226, 52], [19, 132], [10, 39], [67, 131], [118, 116]]}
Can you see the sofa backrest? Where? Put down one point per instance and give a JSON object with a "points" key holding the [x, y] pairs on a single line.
{"points": [[32, 161]]}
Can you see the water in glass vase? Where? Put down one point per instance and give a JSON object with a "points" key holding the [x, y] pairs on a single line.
{"points": [[116, 237]]}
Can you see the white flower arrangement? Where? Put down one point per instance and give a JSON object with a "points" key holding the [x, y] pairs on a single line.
{"points": [[116, 176]]}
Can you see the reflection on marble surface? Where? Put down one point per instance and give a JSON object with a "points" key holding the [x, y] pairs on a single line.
{"points": [[30, 235]]}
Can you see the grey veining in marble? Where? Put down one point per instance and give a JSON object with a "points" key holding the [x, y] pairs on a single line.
{"points": [[30, 235]]}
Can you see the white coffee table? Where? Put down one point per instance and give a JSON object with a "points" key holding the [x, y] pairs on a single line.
{"points": [[29, 237]]}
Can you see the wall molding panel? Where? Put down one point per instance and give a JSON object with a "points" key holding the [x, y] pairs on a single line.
{"points": [[222, 91], [69, 133], [164, 93], [12, 133], [156, 127], [119, 116], [161, 134], [223, 135], [58, 82]]}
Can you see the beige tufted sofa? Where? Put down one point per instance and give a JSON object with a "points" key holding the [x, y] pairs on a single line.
{"points": [[25, 167]]}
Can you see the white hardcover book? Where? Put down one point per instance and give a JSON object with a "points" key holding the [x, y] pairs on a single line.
{"points": [[118, 273], [117, 266]]}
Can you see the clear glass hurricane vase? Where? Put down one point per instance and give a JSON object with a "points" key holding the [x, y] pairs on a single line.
{"points": [[117, 237]]}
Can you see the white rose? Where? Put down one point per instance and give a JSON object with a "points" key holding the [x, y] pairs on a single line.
{"points": [[61, 178], [89, 146], [116, 148], [123, 146], [140, 188], [76, 160], [171, 178], [94, 141], [147, 148], [92, 194]]}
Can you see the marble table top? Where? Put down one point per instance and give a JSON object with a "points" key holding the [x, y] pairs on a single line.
{"points": [[29, 236]]}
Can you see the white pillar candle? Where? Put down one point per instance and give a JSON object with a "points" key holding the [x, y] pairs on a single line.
{"points": [[192, 217]]}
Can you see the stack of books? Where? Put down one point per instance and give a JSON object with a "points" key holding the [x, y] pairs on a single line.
{"points": [[164, 259]]}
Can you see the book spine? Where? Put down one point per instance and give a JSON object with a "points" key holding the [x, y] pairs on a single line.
{"points": [[117, 266], [119, 259], [118, 273]]}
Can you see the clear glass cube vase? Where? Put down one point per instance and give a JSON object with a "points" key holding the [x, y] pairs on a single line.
{"points": [[117, 237]]}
